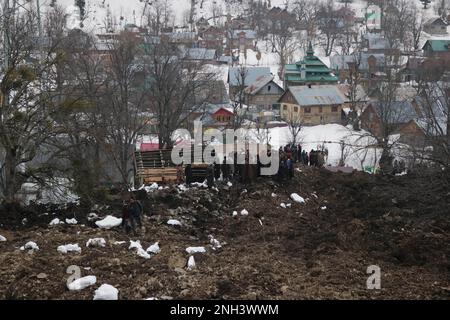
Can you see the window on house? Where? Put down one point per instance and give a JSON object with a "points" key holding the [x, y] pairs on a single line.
{"points": [[284, 107], [307, 110], [268, 88], [334, 109], [320, 109], [295, 109]]}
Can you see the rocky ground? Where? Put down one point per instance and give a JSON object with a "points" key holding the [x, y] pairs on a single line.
{"points": [[307, 251]]}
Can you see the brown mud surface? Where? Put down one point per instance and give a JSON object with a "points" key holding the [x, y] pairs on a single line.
{"points": [[401, 224]]}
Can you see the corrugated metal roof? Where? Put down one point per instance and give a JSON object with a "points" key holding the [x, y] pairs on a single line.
{"points": [[200, 54], [317, 95], [258, 84], [252, 73]]}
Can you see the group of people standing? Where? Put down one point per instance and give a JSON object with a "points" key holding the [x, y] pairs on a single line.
{"points": [[297, 154]]}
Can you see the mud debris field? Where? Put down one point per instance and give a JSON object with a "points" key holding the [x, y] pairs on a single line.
{"points": [[315, 250]]}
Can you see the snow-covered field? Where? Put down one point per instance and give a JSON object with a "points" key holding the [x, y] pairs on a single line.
{"points": [[357, 153]]}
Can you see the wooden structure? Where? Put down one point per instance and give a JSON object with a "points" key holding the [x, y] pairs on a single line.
{"points": [[157, 166]]}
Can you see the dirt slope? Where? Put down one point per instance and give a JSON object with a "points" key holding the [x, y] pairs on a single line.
{"points": [[303, 252]]}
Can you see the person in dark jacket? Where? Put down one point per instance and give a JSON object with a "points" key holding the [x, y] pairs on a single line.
{"points": [[126, 217], [216, 170], [210, 176], [225, 169], [136, 210], [289, 168]]}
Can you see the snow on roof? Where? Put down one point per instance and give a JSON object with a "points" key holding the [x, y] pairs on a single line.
{"points": [[435, 127], [317, 95], [259, 83], [338, 62], [200, 54], [249, 34], [395, 111], [252, 73], [378, 43], [361, 95], [435, 20]]}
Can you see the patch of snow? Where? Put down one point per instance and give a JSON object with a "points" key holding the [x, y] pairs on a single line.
{"points": [[135, 245], [323, 208], [118, 243], [229, 184], [199, 185], [283, 205], [191, 263], [82, 283], [182, 187], [154, 248], [244, 212], [192, 250], [92, 216], [30, 245], [69, 248], [96, 242], [274, 195], [140, 251], [71, 221], [2, 238], [109, 222], [151, 188], [106, 292], [235, 213], [295, 197], [55, 222], [215, 244], [174, 222]]}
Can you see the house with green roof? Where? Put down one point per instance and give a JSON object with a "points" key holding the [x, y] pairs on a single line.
{"points": [[437, 48], [311, 70]]}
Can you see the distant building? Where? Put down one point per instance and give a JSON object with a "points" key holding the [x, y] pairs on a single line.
{"points": [[263, 92], [212, 38], [437, 48], [240, 78], [243, 39], [377, 115], [202, 24], [312, 105], [373, 18], [436, 26], [310, 70], [202, 55]]}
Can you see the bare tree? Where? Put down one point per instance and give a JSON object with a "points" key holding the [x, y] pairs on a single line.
{"points": [[416, 28], [295, 125], [353, 93], [284, 43], [159, 15], [435, 121], [176, 90], [388, 114], [25, 98], [329, 25], [238, 96], [306, 12]]}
